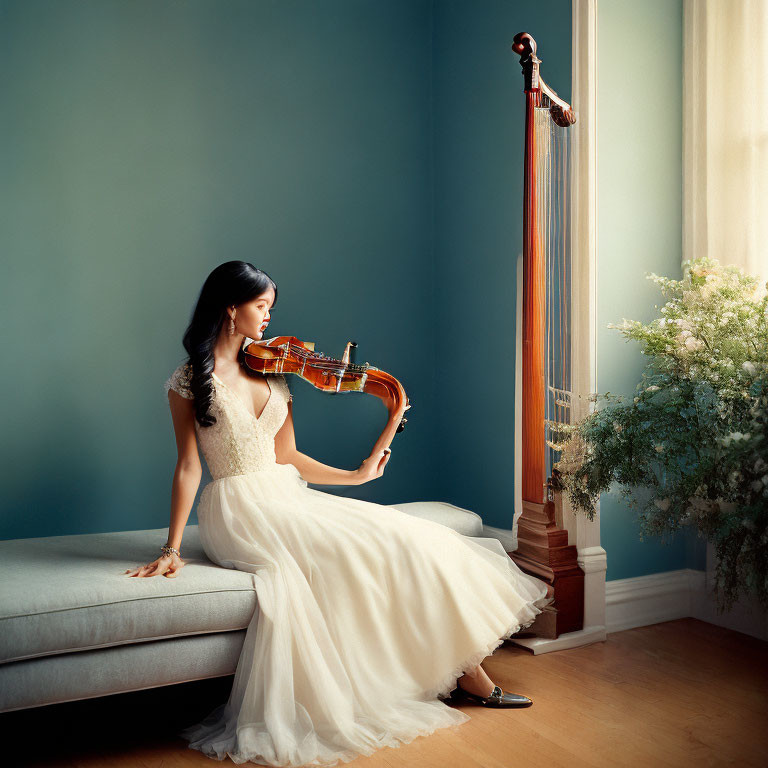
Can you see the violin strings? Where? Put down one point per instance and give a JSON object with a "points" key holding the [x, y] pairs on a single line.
{"points": [[326, 363]]}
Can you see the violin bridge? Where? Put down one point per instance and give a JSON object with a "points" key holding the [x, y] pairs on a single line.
{"points": [[345, 356]]}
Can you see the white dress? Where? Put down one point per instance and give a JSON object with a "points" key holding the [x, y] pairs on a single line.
{"points": [[366, 616]]}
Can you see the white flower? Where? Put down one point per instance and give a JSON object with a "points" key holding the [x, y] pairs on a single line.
{"points": [[652, 388], [689, 297], [693, 343], [749, 367]]}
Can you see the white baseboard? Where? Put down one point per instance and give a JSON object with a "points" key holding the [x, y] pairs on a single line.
{"points": [[644, 600]]}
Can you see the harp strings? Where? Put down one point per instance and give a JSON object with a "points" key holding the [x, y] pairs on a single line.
{"points": [[553, 219]]}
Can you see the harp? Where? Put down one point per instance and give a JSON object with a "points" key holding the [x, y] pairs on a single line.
{"points": [[543, 548]]}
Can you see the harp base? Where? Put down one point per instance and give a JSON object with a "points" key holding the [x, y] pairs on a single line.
{"points": [[543, 551]]}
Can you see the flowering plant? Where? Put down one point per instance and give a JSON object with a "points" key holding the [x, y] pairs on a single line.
{"points": [[690, 448]]}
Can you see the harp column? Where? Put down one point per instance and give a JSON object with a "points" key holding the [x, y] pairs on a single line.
{"points": [[542, 546]]}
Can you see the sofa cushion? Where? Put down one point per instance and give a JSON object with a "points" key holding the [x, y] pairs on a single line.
{"points": [[462, 521], [70, 593]]}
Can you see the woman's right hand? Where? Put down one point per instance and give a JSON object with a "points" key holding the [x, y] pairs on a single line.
{"points": [[168, 565], [372, 467]]}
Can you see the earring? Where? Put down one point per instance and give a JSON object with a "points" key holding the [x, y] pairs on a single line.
{"points": [[232, 325]]}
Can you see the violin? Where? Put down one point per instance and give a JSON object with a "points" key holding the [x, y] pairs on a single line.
{"points": [[287, 354]]}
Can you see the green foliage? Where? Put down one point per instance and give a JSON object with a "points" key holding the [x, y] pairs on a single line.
{"points": [[690, 448]]}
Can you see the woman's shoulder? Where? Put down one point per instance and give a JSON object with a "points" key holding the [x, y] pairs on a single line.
{"points": [[179, 381]]}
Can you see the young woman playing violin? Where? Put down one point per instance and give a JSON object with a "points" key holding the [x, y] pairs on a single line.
{"points": [[368, 617]]}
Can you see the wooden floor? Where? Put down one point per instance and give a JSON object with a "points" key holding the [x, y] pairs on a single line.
{"points": [[681, 693]]}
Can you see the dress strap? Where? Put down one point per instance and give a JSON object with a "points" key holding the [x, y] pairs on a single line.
{"points": [[179, 381], [283, 386]]}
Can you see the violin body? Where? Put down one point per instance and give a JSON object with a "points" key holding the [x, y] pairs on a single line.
{"points": [[287, 354]]}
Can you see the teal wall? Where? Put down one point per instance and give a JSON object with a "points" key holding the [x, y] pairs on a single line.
{"points": [[639, 229], [479, 120], [145, 143], [368, 156]]}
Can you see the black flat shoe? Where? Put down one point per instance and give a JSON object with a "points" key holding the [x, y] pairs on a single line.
{"points": [[498, 698]]}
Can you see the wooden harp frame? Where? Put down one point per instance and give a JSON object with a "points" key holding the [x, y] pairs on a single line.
{"points": [[543, 548]]}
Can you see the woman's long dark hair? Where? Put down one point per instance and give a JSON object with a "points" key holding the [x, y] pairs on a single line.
{"points": [[230, 284]]}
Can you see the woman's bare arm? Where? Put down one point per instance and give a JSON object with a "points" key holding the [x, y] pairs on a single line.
{"points": [[189, 470], [311, 470], [186, 480]]}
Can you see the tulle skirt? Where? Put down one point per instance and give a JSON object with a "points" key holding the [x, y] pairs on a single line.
{"points": [[366, 618]]}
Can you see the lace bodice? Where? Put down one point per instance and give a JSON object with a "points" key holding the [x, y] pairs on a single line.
{"points": [[238, 442]]}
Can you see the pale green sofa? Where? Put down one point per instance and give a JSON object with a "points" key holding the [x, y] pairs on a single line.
{"points": [[74, 626]]}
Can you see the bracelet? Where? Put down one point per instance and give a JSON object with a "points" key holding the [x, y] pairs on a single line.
{"points": [[166, 550]]}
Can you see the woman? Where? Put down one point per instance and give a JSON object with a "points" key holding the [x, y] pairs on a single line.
{"points": [[367, 616]]}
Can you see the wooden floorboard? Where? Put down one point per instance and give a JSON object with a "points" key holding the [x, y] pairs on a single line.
{"points": [[682, 693]]}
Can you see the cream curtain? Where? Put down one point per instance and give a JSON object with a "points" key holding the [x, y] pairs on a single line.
{"points": [[725, 132]]}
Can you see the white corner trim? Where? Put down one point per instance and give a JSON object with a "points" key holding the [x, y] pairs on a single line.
{"points": [[591, 560], [658, 597]]}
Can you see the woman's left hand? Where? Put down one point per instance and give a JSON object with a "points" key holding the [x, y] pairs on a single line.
{"points": [[389, 404], [372, 467]]}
